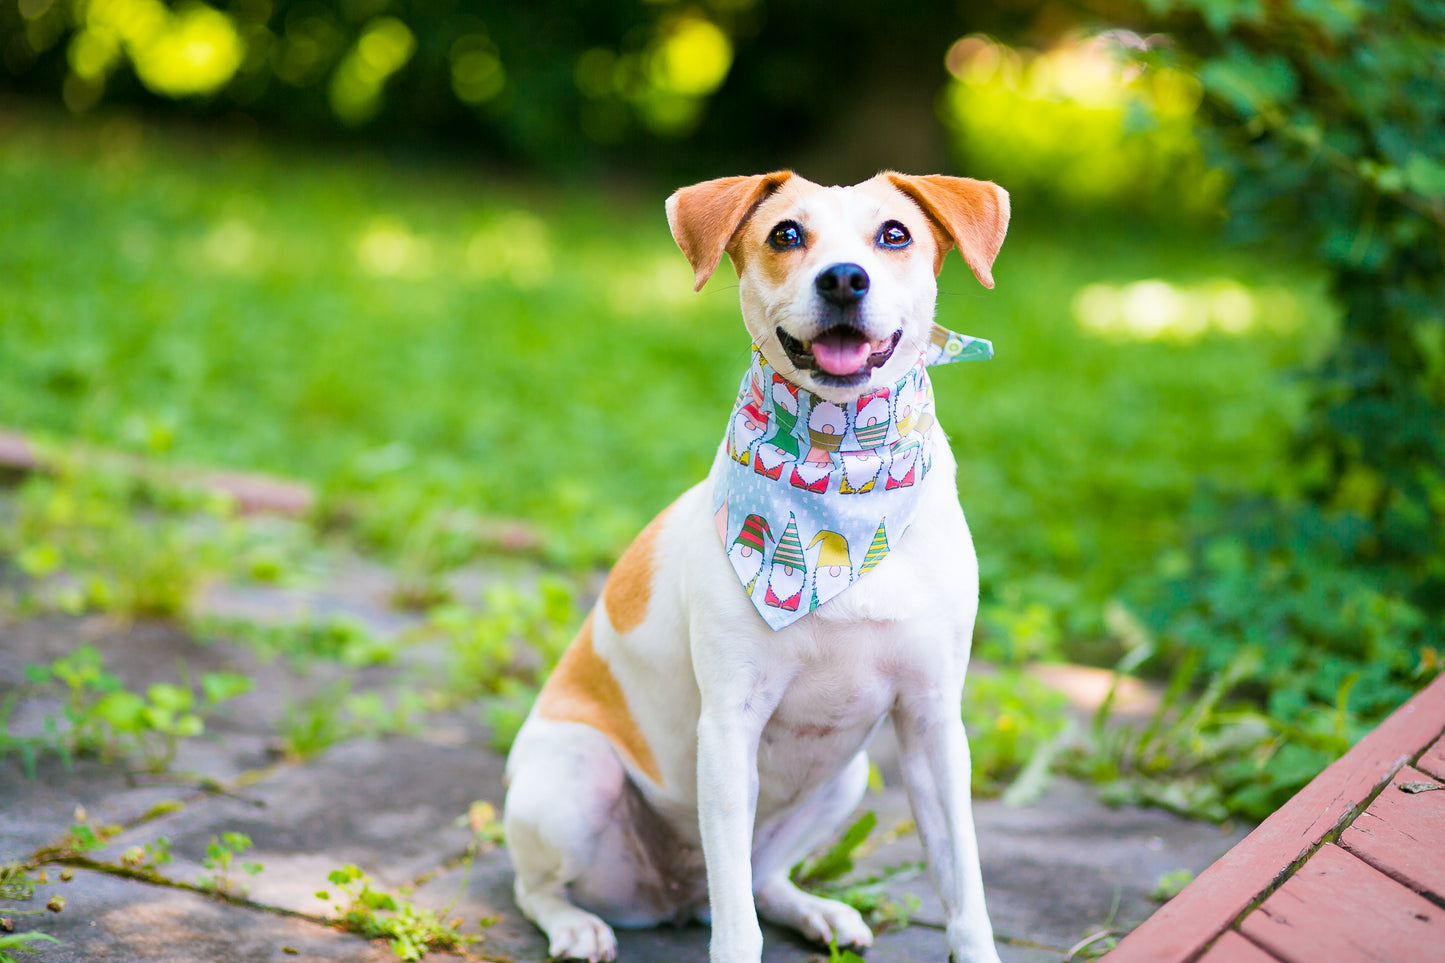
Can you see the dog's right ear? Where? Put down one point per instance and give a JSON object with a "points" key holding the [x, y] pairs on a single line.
{"points": [[705, 217]]}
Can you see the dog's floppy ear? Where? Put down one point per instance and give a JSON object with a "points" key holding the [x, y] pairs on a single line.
{"points": [[972, 214], [705, 217]]}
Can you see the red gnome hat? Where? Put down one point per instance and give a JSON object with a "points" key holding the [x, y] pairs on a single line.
{"points": [[755, 527]]}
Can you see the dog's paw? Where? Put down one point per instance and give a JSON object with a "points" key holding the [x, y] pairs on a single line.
{"points": [[819, 919], [582, 937], [971, 944]]}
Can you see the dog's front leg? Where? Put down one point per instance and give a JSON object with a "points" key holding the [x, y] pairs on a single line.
{"points": [[736, 704], [933, 751]]}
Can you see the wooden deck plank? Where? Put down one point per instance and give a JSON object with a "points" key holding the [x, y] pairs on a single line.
{"points": [[1433, 761], [1341, 909], [1403, 834], [1188, 923], [1234, 948]]}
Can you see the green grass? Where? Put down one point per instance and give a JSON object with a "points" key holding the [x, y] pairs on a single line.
{"points": [[416, 334]]}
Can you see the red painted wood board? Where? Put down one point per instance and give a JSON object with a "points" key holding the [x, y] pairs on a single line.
{"points": [[1403, 834], [1341, 909], [1233, 948], [1433, 761], [1182, 928]]}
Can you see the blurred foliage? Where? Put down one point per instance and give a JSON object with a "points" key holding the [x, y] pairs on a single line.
{"points": [[551, 85], [1329, 120], [91, 539], [686, 89], [1010, 718], [1079, 125]]}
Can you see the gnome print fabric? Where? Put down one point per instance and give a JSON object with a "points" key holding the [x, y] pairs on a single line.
{"points": [[811, 493]]}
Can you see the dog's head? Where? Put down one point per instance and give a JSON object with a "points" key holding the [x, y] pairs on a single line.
{"points": [[838, 283]]}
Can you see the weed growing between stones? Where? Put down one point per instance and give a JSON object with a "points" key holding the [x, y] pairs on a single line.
{"points": [[375, 913], [334, 714], [11, 943], [503, 653], [1203, 758], [221, 859], [836, 955], [1170, 885], [825, 875], [148, 858], [100, 717]]}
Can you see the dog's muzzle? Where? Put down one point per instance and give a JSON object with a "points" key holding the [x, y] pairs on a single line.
{"points": [[841, 354]]}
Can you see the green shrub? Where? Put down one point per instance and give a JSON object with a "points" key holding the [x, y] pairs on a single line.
{"points": [[1330, 122]]}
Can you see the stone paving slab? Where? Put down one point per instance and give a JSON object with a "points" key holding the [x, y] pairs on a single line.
{"points": [[393, 807]]}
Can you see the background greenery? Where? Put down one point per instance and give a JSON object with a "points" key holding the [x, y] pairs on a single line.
{"points": [[415, 254]]}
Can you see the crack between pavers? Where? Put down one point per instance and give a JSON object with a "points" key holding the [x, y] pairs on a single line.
{"points": [[166, 882], [157, 879]]}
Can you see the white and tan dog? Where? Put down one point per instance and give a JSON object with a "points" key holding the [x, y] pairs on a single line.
{"points": [[684, 755]]}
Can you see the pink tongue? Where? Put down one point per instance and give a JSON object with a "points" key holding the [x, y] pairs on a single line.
{"points": [[841, 356]]}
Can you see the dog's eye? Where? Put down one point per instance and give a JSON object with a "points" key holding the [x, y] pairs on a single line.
{"points": [[894, 234], [786, 235]]}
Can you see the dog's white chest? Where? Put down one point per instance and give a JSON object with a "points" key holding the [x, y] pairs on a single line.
{"points": [[828, 711]]}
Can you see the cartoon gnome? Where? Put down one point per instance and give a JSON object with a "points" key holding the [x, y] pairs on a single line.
{"points": [[781, 446], [787, 575], [748, 549], [827, 423], [834, 569], [750, 423]]}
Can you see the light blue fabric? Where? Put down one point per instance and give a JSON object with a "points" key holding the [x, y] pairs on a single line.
{"points": [[810, 494]]}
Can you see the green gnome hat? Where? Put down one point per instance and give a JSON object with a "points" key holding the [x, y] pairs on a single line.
{"points": [[834, 552], [790, 547], [755, 528], [876, 550]]}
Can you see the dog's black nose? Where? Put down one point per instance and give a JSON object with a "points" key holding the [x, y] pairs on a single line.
{"points": [[842, 284]]}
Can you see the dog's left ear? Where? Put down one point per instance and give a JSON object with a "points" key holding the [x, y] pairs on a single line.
{"points": [[705, 217], [972, 214]]}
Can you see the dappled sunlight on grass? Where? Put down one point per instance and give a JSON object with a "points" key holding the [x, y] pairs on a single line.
{"points": [[390, 250], [514, 246], [1155, 310]]}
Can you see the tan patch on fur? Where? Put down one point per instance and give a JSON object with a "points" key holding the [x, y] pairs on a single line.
{"points": [[629, 586], [705, 217], [583, 689], [972, 214]]}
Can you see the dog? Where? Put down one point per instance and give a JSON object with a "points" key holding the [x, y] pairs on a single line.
{"points": [[707, 727]]}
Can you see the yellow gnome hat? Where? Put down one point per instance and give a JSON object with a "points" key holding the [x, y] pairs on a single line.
{"points": [[834, 552]]}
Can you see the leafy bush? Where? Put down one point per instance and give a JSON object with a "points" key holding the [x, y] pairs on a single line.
{"points": [[1330, 122]]}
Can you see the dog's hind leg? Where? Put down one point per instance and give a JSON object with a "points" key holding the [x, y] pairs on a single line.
{"points": [[561, 796], [781, 845]]}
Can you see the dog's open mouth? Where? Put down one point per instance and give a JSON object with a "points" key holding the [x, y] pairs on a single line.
{"points": [[843, 354]]}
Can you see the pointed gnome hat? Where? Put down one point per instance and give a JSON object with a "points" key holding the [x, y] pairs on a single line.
{"points": [[790, 547], [876, 550], [834, 552], [755, 529]]}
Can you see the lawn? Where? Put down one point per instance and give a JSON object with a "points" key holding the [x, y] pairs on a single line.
{"points": [[412, 334]]}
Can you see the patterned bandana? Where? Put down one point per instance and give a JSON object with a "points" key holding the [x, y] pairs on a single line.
{"points": [[810, 493]]}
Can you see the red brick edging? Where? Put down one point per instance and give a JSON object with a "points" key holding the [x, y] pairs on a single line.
{"points": [[1205, 910]]}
